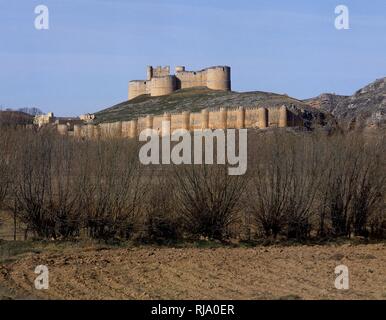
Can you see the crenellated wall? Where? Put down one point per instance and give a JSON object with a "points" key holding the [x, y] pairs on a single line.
{"points": [[159, 82], [223, 118]]}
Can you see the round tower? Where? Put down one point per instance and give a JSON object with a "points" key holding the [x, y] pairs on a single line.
{"points": [[161, 86], [137, 88], [219, 78], [149, 72], [167, 119], [117, 129], [283, 117], [262, 114], [133, 128], [186, 120], [204, 119], [241, 118], [149, 121], [223, 118]]}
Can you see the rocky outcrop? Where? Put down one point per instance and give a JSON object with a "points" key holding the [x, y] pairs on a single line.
{"points": [[366, 107]]}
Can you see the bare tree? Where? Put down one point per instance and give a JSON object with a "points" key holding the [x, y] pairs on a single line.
{"points": [[369, 193], [162, 222], [32, 179], [285, 183], [6, 145], [111, 188], [208, 199]]}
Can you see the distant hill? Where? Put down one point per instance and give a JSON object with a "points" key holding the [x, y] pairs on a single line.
{"points": [[31, 111], [326, 101], [196, 99], [367, 106], [15, 118]]}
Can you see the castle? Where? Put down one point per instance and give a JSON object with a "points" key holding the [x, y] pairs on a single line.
{"points": [[160, 82], [49, 118]]}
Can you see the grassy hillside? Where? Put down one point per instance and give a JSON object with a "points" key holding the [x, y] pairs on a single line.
{"points": [[195, 100]]}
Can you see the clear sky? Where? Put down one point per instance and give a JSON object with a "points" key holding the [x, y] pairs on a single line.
{"points": [[94, 47]]}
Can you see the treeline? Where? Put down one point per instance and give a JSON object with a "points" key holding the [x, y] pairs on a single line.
{"points": [[298, 186], [11, 118]]}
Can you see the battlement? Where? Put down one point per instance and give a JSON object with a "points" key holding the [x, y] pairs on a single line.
{"points": [[220, 118], [159, 82], [153, 72]]}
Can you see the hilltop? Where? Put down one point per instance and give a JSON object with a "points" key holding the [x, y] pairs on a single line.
{"points": [[196, 99], [366, 106]]}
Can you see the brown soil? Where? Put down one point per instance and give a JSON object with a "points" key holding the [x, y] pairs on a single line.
{"points": [[276, 272]]}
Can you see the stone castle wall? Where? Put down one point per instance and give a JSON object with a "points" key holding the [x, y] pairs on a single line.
{"points": [[236, 118], [159, 82]]}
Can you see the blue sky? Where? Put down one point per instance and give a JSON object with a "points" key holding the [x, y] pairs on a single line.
{"points": [[94, 47]]}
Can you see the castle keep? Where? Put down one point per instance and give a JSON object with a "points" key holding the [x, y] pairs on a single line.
{"points": [[160, 82]]}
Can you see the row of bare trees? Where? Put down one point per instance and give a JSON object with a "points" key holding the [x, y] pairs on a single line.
{"points": [[298, 186], [332, 185], [62, 188]]}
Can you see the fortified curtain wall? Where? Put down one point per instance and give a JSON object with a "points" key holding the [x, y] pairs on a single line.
{"points": [[224, 118]]}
